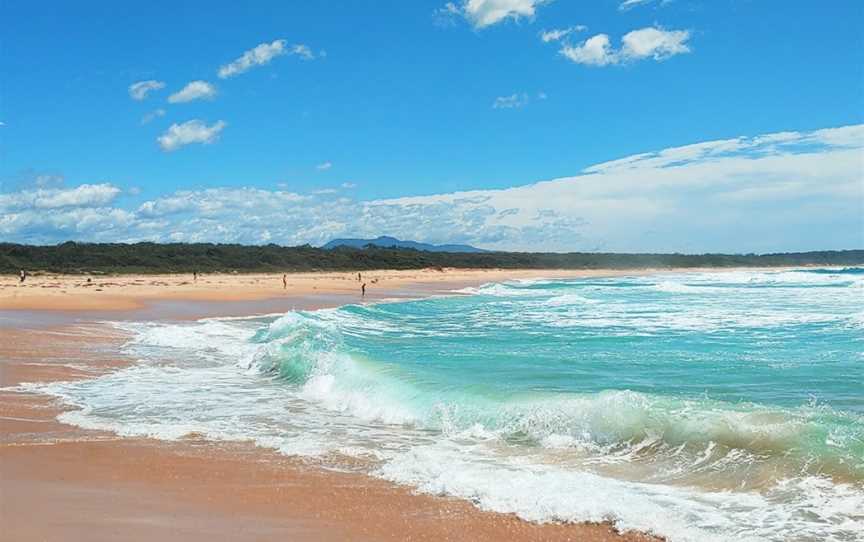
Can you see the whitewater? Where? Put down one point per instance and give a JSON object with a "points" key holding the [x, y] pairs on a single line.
{"points": [[696, 406]]}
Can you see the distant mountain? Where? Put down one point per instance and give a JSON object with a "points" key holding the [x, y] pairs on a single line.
{"points": [[392, 242]]}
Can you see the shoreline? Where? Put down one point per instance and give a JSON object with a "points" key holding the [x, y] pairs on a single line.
{"points": [[96, 485], [128, 293], [153, 295]]}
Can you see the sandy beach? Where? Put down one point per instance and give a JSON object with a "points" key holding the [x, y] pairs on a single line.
{"points": [[58, 482], [129, 292]]}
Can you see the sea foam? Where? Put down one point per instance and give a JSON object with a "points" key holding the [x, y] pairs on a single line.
{"points": [[721, 406]]}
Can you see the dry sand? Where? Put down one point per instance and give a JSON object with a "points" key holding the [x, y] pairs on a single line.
{"points": [[129, 292], [59, 482]]}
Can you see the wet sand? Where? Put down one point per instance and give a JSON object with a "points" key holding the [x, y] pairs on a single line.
{"points": [[58, 482]]}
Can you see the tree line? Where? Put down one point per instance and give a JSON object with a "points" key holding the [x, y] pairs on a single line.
{"points": [[113, 258]]}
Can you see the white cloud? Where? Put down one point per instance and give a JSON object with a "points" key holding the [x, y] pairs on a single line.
{"points": [[262, 54], [805, 193], [774, 192], [196, 90], [483, 13], [650, 42], [324, 166], [451, 9], [193, 131], [140, 90], [85, 195], [556, 34], [303, 51], [595, 51], [447, 14], [348, 185], [629, 4], [94, 224], [845, 136], [514, 101], [152, 115], [654, 42]]}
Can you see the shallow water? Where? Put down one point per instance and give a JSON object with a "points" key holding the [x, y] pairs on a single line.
{"points": [[696, 406]]}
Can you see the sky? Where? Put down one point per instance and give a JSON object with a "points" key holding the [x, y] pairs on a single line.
{"points": [[611, 125]]}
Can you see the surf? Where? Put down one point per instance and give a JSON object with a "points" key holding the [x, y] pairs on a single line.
{"points": [[696, 406]]}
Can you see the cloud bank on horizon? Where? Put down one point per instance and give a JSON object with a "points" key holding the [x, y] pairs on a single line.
{"points": [[771, 192]]}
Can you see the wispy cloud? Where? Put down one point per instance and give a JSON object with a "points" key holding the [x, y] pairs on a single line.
{"points": [[557, 34], [196, 90], [324, 166], [447, 14], [513, 101], [804, 187], [262, 54], [152, 115], [649, 42], [140, 90], [629, 4], [303, 51], [193, 131]]}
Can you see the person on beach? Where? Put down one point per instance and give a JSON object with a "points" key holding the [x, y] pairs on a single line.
{"points": [[23, 275], [195, 276], [363, 290], [284, 281], [359, 278]]}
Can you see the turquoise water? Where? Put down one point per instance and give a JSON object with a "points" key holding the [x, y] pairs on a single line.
{"points": [[697, 406]]}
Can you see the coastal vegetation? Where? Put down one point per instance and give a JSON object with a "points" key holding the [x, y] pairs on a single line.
{"points": [[111, 258]]}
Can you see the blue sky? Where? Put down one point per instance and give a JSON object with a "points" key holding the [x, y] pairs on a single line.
{"points": [[352, 104]]}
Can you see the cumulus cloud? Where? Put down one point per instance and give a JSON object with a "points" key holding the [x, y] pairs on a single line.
{"points": [[773, 192], [140, 90], [85, 195], [654, 42], [196, 90], [650, 42], [262, 54], [483, 13], [595, 51], [193, 131]]}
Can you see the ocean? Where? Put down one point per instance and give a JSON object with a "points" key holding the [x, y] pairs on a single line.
{"points": [[697, 406]]}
